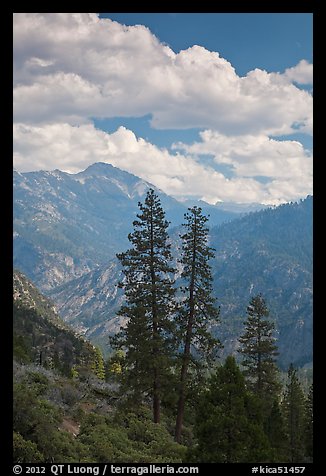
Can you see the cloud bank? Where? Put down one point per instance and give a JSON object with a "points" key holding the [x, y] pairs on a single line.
{"points": [[70, 68], [72, 149]]}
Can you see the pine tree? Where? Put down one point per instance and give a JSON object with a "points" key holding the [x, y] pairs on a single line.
{"points": [[294, 408], [197, 311], [228, 421], [98, 366], [149, 309], [275, 430], [114, 366], [309, 422], [259, 351], [74, 372]]}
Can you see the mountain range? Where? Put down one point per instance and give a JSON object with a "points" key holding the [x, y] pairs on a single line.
{"points": [[68, 228], [68, 224]]}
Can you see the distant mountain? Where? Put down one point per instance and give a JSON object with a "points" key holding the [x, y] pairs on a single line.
{"points": [[66, 225], [235, 207], [269, 251], [41, 336], [217, 213]]}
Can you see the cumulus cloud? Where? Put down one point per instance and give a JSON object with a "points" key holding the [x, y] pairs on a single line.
{"points": [[73, 148], [254, 155], [302, 73], [71, 67]]}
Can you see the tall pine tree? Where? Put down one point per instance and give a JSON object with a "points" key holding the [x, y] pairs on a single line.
{"points": [[197, 311], [259, 351], [294, 411], [149, 293]]}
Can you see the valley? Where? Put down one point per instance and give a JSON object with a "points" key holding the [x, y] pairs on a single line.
{"points": [[68, 228]]}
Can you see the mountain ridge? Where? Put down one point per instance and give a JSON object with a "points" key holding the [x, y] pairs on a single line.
{"points": [[73, 223], [69, 227], [249, 259]]}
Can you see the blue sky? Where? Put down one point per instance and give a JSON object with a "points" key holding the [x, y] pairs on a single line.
{"points": [[271, 41], [215, 106]]}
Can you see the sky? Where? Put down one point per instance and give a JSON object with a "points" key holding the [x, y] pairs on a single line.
{"points": [[214, 106]]}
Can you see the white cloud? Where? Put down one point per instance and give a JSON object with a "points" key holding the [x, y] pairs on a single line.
{"points": [[254, 155], [302, 73], [72, 149], [71, 67]]}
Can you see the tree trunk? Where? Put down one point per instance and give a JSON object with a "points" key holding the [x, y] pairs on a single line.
{"points": [[156, 379], [182, 390], [186, 354]]}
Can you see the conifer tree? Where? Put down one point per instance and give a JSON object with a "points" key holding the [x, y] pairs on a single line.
{"points": [[309, 422], [98, 366], [228, 422], [115, 365], [294, 412], [197, 310], [259, 351], [275, 430], [148, 285]]}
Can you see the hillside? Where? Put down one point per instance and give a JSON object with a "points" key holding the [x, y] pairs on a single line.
{"points": [[64, 416], [269, 251], [90, 303], [66, 225], [41, 336], [63, 411]]}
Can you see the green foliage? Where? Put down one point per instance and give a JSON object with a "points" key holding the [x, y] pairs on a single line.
{"points": [[275, 430], [309, 423], [25, 451], [131, 438], [106, 443], [40, 336], [36, 421], [115, 366], [294, 412], [155, 440], [259, 351], [21, 350], [98, 366], [228, 421], [149, 293], [74, 372], [197, 311], [37, 383]]}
